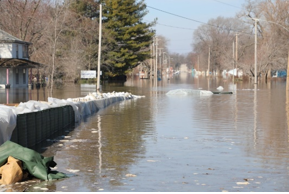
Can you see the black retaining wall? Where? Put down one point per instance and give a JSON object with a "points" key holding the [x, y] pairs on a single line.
{"points": [[35, 127]]}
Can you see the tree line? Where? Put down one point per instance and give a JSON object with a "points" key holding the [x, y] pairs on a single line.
{"points": [[220, 34]]}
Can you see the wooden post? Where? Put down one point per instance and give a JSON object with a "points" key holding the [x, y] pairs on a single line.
{"points": [[99, 49], [233, 61], [287, 79], [236, 61], [209, 60]]}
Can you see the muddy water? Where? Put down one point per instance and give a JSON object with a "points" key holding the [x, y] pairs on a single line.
{"points": [[229, 142]]}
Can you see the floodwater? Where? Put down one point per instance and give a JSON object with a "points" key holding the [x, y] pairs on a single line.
{"points": [[225, 142]]}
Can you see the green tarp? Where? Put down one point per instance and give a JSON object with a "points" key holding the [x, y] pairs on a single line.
{"points": [[36, 164]]}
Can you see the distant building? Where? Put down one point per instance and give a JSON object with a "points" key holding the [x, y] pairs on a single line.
{"points": [[183, 68], [14, 61]]}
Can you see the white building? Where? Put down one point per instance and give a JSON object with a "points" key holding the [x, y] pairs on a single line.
{"points": [[14, 61], [183, 68]]}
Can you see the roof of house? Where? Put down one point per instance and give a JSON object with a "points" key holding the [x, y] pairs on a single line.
{"points": [[15, 62], [6, 37], [6, 63]]}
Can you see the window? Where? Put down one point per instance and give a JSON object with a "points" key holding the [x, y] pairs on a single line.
{"points": [[17, 51], [17, 76], [24, 76], [25, 51]]}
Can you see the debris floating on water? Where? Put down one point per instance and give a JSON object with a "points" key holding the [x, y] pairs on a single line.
{"points": [[130, 175]]}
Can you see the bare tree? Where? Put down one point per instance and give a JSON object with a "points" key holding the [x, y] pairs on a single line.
{"points": [[273, 33], [54, 37], [217, 37]]}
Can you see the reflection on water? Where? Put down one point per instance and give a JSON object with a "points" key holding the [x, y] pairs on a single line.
{"points": [[99, 144], [255, 115], [230, 142]]}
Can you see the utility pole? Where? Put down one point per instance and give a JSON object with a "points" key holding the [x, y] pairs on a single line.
{"points": [[198, 62], [209, 60], [165, 62], [236, 49], [160, 60], [151, 61], [256, 78], [236, 61], [233, 61], [99, 48], [156, 65], [287, 81]]}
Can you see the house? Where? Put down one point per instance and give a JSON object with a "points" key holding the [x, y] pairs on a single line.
{"points": [[14, 62]]}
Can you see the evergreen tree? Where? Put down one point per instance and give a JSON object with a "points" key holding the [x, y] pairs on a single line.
{"points": [[132, 36]]}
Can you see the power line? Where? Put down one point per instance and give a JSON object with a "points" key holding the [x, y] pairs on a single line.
{"points": [[172, 26], [176, 27], [176, 15], [227, 4], [237, 31]]}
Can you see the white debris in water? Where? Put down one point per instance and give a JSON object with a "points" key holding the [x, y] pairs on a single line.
{"points": [[220, 88], [151, 160], [72, 170], [183, 92], [238, 187], [64, 140], [44, 189], [242, 183], [94, 131], [110, 168], [130, 175], [79, 140], [206, 93]]}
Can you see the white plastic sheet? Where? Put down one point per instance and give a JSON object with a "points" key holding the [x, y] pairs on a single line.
{"points": [[186, 92], [7, 123]]}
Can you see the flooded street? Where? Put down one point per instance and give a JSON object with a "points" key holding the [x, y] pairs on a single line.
{"points": [[224, 142]]}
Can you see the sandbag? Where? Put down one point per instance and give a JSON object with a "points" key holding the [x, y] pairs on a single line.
{"points": [[11, 172]]}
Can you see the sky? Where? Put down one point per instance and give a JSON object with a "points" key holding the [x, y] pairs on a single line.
{"points": [[179, 29]]}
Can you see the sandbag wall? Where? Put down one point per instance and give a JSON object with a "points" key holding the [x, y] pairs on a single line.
{"points": [[35, 127]]}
